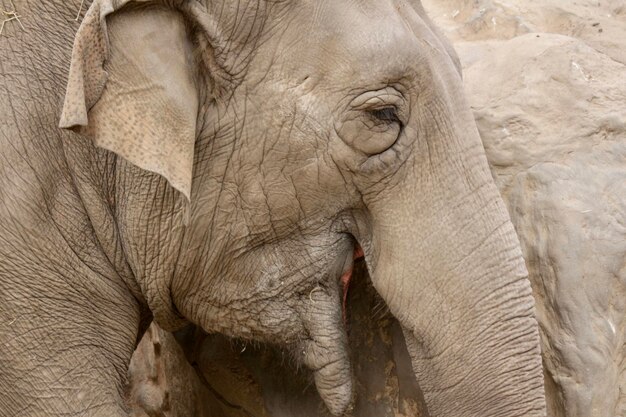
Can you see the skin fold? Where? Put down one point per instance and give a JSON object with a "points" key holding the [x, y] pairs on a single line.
{"points": [[222, 164]]}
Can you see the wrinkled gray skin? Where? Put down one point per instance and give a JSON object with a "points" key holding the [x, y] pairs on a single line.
{"points": [[254, 143]]}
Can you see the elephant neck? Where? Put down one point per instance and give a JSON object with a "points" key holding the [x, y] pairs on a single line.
{"points": [[136, 222], [150, 221]]}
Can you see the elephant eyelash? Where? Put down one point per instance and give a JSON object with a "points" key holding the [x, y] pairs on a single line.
{"points": [[386, 114]]}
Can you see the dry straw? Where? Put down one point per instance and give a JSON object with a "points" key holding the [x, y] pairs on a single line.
{"points": [[11, 15]]}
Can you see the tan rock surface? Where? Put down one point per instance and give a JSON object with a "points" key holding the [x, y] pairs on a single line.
{"points": [[599, 23], [547, 82]]}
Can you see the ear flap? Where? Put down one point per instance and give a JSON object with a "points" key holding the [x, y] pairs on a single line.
{"points": [[131, 88]]}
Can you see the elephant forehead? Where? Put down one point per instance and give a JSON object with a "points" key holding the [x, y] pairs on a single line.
{"points": [[364, 40]]}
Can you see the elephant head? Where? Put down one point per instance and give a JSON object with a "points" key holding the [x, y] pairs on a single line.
{"points": [[262, 143]]}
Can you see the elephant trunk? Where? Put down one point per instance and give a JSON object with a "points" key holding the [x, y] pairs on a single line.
{"points": [[455, 279]]}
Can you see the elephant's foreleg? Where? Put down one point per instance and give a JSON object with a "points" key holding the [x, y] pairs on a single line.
{"points": [[65, 347]]}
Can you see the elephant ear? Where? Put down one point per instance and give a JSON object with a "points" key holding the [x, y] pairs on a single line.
{"points": [[131, 87]]}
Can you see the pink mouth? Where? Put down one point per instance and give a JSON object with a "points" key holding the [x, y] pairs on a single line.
{"points": [[346, 277]]}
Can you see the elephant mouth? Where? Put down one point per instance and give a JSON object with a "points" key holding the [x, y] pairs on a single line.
{"points": [[346, 278]]}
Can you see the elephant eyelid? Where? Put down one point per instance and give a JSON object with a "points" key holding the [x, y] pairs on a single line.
{"points": [[386, 114], [387, 106]]}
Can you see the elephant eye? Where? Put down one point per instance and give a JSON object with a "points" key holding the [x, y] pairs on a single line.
{"points": [[386, 114], [374, 120]]}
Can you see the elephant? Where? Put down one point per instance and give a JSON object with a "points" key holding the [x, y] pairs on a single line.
{"points": [[222, 163]]}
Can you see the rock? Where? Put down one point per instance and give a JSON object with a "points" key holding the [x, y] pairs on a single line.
{"points": [[551, 110], [163, 382], [599, 23], [555, 134]]}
